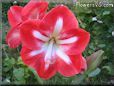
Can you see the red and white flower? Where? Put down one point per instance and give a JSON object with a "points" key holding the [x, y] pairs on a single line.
{"points": [[35, 9], [54, 44]]}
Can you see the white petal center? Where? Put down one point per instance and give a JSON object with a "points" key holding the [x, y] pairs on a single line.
{"points": [[52, 49], [58, 26], [63, 56], [36, 52], [48, 55], [38, 35], [68, 41]]}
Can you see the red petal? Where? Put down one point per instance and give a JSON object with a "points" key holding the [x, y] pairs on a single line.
{"points": [[83, 65], [78, 46], [69, 19], [70, 69], [14, 15], [37, 62], [34, 9], [13, 37], [27, 37], [43, 73]]}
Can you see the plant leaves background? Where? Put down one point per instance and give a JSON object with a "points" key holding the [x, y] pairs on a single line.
{"points": [[101, 38]]}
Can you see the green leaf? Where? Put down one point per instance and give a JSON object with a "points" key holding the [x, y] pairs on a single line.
{"points": [[78, 79], [105, 57], [106, 12], [95, 72], [22, 81], [8, 63], [6, 81], [94, 60], [18, 73], [110, 69], [19, 61], [101, 45]]}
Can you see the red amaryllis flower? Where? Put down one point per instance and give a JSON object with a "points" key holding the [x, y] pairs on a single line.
{"points": [[35, 9], [54, 44]]}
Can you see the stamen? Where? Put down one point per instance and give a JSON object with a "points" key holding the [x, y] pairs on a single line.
{"points": [[68, 41], [38, 35]]}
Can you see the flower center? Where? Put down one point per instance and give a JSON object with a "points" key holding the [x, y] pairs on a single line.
{"points": [[53, 44], [54, 39]]}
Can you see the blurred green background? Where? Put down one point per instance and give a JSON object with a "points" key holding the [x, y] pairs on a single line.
{"points": [[98, 21]]}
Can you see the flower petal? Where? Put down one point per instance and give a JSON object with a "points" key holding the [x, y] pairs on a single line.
{"points": [[40, 36], [14, 15], [63, 56], [76, 46], [58, 26], [60, 19], [46, 73], [83, 65], [13, 37], [31, 35], [68, 41], [70, 69], [37, 62], [48, 56], [35, 9]]}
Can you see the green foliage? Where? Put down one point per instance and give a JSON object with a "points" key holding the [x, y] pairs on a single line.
{"points": [[95, 72], [18, 75], [15, 72], [78, 79], [94, 60], [8, 64]]}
